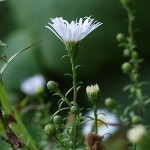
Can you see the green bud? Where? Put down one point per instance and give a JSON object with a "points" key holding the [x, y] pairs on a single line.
{"points": [[135, 55], [126, 52], [57, 120], [52, 86], [133, 90], [50, 130], [109, 102], [120, 37], [74, 110], [126, 3], [136, 120], [126, 67]]}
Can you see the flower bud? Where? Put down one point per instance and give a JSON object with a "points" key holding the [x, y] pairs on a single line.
{"points": [[109, 102], [120, 37], [136, 134], [93, 93], [126, 67], [57, 120], [126, 52], [136, 120], [135, 55], [50, 130], [133, 90], [52, 86], [74, 110]]}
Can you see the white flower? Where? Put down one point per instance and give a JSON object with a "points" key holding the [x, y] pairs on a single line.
{"points": [[108, 118], [136, 134], [74, 31], [33, 85]]}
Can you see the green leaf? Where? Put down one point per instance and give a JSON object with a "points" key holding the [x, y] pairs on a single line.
{"points": [[68, 91], [20, 130], [4, 100], [17, 127], [12, 57], [1, 129]]}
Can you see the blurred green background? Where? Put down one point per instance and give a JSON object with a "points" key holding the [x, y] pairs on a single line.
{"points": [[22, 22]]}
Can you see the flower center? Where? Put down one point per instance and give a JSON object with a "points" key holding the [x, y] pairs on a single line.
{"points": [[100, 123]]}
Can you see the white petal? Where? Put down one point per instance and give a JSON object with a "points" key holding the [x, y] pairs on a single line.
{"points": [[74, 31]]}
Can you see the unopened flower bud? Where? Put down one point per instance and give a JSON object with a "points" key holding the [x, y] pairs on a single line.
{"points": [[120, 37], [50, 130], [74, 110], [109, 102], [136, 120], [57, 120], [136, 134], [135, 55], [126, 67], [126, 53], [52, 86], [93, 93]]}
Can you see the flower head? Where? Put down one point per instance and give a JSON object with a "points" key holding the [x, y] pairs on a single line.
{"points": [[93, 93], [74, 31], [33, 85], [108, 118]]}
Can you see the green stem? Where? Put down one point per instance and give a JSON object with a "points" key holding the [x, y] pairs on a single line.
{"points": [[75, 135], [64, 98], [133, 147], [131, 47], [130, 23], [74, 76], [95, 117]]}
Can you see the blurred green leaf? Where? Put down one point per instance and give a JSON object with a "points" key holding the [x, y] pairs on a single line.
{"points": [[14, 56]]}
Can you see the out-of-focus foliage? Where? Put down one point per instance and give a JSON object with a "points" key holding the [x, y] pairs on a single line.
{"points": [[26, 20]]}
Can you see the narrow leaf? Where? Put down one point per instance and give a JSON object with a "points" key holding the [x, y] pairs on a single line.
{"points": [[68, 91], [12, 57]]}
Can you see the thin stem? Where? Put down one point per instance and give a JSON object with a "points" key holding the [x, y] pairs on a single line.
{"points": [[95, 119], [75, 135], [130, 24], [131, 47], [74, 76], [133, 147]]}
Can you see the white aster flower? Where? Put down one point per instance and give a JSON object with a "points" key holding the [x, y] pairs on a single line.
{"points": [[136, 134], [74, 31], [108, 118], [33, 85]]}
